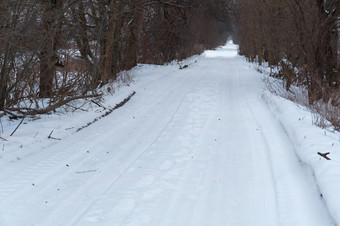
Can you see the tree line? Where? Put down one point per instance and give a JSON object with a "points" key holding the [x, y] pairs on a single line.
{"points": [[300, 38], [55, 51]]}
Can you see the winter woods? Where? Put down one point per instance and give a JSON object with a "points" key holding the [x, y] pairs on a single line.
{"points": [[52, 51], [300, 38]]}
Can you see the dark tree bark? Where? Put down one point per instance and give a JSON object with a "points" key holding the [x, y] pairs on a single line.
{"points": [[133, 27], [109, 66], [297, 36], [48, 55]]}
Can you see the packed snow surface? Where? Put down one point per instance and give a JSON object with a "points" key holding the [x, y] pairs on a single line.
{"points": [[199, 146]]}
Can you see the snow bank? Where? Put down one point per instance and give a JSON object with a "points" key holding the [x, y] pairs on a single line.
{"points": [[309, 140], [31, 137]]}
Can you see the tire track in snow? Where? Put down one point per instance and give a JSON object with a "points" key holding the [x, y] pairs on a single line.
{"points": [[281, 151], [176, 166], [187, 180], [153, 149], [20, 184], [105, 194]]}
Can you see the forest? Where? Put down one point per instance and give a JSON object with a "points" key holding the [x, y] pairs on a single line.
{"points": [[300, 36], [55, 51], [299, 39], [169, 112]]}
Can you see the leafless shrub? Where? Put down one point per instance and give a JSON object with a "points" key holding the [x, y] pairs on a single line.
{"points": [[280, 33], [124, 78], [320, 121], [54, 52], [300, 40], [324, 114]]}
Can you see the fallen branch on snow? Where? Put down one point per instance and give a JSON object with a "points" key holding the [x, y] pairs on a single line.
{"points": [[324, 155], [30, 111], [3, 139], [108, 112], [17, 126], [50, 136]]}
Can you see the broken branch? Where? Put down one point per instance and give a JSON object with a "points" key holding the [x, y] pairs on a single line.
{"points": [[324, 155], [50, 137]]}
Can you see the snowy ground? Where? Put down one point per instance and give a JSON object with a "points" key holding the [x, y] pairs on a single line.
{"points": [[202, 146]]}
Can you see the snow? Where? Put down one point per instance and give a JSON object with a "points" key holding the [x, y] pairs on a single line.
{"points": [[309, 140], [205, 145]]}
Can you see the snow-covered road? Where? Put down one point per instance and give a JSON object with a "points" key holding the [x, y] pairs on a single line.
{"points": [[195, 147]]}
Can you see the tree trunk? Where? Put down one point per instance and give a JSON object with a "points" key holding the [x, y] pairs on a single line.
{"points": [[48, 56], [145, 43], [130, 52], [4, 77], [108, 64]]}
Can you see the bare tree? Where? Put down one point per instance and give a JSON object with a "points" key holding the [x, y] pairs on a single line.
{"points": [[56, 51], [51, 24], [296, 36]]}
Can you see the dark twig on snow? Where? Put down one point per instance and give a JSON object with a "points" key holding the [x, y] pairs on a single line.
{"points": [[50, 137], [17, 126], [98, 104], [324, 155]]}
